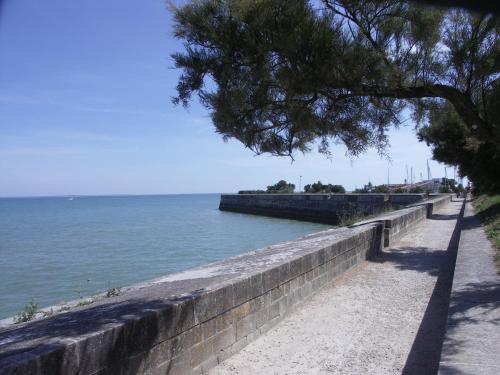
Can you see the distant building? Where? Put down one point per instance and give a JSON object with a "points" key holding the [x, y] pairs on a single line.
{"points": [[431, 186]]}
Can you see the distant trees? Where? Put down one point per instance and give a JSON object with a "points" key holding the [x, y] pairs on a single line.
{"points": [[318, 187], [370, 188], [281, 187]]}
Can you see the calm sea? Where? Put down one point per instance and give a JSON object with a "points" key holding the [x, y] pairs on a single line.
{"points": [[59, 249]]}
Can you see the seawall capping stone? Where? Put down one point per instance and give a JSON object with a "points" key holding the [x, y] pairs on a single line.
{"points": [[155, 325]]}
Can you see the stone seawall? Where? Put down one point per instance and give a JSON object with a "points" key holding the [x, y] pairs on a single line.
{"points": [[188, 322], [323, 208]]}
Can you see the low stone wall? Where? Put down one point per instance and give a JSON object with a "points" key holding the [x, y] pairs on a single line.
{"points": [[397, 223], [188, 322], [323, 208]]}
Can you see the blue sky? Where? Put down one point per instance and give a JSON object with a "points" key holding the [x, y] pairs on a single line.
{"points": [[85, 108]]}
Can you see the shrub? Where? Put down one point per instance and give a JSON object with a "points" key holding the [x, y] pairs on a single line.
{"points": [[28, 312]]}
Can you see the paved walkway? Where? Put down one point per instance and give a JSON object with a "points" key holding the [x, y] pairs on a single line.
{"points": [[386, 316], [472, 341]]}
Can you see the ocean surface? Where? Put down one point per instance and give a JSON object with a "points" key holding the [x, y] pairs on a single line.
{"points": [[64, 248]]}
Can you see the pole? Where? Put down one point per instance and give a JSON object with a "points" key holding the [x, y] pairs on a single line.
{"points": [[300, 184]]}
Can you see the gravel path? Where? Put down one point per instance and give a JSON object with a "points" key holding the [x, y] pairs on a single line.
{"points": [[371, 321]]}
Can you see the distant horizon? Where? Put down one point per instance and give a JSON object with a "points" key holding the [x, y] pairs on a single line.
{"points": [[152, 194]]}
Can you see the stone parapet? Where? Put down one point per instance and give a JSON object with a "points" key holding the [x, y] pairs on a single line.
{"points": [[188, 322]]}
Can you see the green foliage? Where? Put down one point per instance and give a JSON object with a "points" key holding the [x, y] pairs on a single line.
{"points": [[28, 312], [318, 187], [487, 209], [368, 188], [252, 192], [284, 75], [416, 190], [399, 191], [113, 292], [85, 302], [281, 187], [381, 189]]}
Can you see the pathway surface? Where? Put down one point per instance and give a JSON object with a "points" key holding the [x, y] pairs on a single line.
{"points": [[472, 341], [387, 316]]}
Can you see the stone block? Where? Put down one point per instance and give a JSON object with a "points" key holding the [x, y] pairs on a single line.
{"points": [[253, 336], [277, 293], [284, 270], [310, 275], [209, 328], [261, 317], [241, 311], [242, 290], [238, 345], [224, 339], [307, 262], [274, 308], [213, 303], [202, 352], [259, 302], [208, 364], [270, 278], [224, 320], [296, 267], [179, 365], [270, 324], [245, 326], [256, 285], [140, 333]]}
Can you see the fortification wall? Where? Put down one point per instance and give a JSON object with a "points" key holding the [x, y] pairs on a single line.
{"points": [[186, 323], [323, 208]]}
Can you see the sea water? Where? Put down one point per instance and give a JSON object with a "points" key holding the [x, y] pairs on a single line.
{"points": [[64, 248]]}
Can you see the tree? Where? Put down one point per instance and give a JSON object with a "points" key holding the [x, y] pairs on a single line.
{"points": [[284, 75], [337, 189], [281, 187], [318, 187], [381, 189]]}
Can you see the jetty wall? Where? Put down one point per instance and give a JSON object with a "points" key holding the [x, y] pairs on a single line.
{"points": [[322, 208], [188, 322]]}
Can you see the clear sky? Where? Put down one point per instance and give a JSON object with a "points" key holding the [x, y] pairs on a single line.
{"points": [[85, 108]]}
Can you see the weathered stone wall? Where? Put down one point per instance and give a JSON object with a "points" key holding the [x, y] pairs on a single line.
{"points": [[188, 322], [323, 208]]}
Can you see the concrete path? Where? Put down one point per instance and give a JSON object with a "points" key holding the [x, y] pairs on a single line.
{"points": [[386, 316], [472, 341]]}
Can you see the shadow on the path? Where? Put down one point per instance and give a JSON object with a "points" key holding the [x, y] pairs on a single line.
{"points": [[426, 349], [443, 217], [418, 258], [425, 352], [474, 303]]}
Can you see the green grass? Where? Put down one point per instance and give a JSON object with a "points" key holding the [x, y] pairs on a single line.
{"points": [[487, 209], [113, 292], [28, 312]]}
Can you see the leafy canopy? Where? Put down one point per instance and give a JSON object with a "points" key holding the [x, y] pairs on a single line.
{"points": [[318, 187], [283, 75]]}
